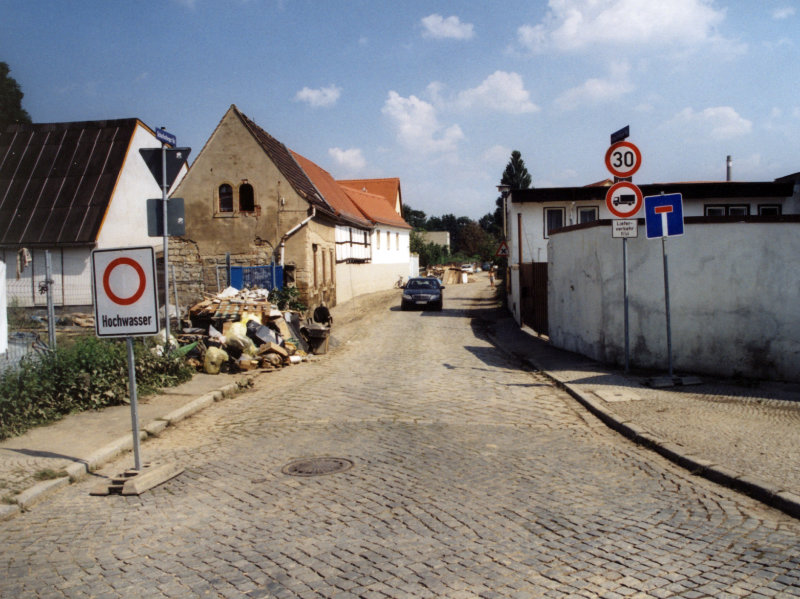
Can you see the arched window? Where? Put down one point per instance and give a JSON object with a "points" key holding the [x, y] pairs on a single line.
{"points": [[247, 202], [225, 198]]}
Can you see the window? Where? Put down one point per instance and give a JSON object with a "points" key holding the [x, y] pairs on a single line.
{"points": [[739, 210], [769, 209], [587, 214], [727, 209], [553, 219], [247, 201], [397, 241], [225, 192], [378, 240], [388, 241]]}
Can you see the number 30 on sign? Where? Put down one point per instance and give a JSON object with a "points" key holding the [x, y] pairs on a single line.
{"points": [[623, 159]]}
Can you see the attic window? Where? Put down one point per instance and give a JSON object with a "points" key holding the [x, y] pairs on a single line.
{"points": [[225, 198], [247, 201]]}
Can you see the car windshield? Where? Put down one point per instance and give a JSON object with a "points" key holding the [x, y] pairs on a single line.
{"points": [[422, 284]]}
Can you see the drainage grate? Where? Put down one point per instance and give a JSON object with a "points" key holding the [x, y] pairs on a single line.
{"points": [[316, 466]]}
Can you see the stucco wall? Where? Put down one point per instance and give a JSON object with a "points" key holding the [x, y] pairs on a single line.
{"points": [[733, 298], [353, 280], [232, 156]]}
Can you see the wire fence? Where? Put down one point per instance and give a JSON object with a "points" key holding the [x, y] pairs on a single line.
{"points": [[44, 304]]}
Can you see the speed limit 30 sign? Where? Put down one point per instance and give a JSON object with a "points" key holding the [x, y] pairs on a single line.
{"points": [[125, 297], [623, 159]]}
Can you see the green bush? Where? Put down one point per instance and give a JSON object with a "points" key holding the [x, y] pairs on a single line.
{"points": [[89, 374]]}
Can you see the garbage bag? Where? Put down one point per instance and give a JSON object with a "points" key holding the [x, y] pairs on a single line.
{"points": [[237, 339], [214, 359]]}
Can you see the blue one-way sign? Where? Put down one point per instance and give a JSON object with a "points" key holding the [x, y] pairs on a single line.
{"points": [[663, 215]]}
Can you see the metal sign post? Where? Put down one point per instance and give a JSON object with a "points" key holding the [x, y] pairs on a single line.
{"points": [[126, 305], [664, 218], [623, 200]]}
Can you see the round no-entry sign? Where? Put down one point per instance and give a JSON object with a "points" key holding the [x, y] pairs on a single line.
{"points": [[623, 159], [624, 199], [124, 286]]}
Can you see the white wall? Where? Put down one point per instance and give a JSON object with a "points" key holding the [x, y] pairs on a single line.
{"points": [[72, 277], [3, 311], [733, 291], [390, 245], [356, 279], [125, 223]]}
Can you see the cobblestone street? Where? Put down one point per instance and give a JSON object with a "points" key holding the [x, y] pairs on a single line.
{"points": [[472, 477]]}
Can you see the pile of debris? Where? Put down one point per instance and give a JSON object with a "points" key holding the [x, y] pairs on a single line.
{"points": [[448, 275], [238, 331]]}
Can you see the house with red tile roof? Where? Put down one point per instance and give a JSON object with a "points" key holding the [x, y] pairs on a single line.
{"points": [[252, 201]]}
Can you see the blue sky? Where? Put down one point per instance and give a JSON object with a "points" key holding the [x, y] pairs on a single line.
{"points": [[436, 93]]}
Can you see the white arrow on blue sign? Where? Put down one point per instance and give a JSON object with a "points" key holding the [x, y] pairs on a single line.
{"points": [[663, 215]]}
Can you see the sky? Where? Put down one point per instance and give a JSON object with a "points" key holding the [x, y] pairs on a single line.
{"points": [[436, 93]]}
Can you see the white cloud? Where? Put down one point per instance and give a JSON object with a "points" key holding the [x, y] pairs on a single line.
{"points": [[578, 24], [318, 98], [783, 13], [720, 122], [497, 154], [436, 26], [350, 160], [418, 127], [595, 91], [500, 92]]}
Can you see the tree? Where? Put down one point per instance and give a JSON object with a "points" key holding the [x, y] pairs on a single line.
{"points": [[11, 110], [415, 218], [516, 176]]}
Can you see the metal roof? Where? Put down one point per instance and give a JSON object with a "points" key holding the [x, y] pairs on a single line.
{"points": [[57, 179]]}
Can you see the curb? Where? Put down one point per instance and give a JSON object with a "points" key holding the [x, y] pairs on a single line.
{"points": [[82, 468], [782, 500], [779, 499]]}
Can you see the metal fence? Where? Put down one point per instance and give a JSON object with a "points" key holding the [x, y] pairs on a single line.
{"points": [[63, 304]]}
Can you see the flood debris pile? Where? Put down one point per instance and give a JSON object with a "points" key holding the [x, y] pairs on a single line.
{"points": [[449, 274], [238, 331]]}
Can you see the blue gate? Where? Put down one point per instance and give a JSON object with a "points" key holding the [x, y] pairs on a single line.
{"points": [[257, 277]]}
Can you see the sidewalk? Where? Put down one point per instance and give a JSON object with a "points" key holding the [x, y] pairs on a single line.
{"points": [[747, 438]]}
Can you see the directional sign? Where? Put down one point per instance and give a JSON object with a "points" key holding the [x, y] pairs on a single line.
{"points": [[502, 251], [124, 288], [623, 199], [623, 159], [663, 215], [167, 138]]}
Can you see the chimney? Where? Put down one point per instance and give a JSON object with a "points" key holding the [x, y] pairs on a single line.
{"points": [[729, 163]]}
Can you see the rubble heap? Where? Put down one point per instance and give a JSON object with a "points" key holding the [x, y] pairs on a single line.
{"points": [[241, 331]]}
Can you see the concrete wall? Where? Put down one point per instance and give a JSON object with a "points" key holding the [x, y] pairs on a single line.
{"points": [[357, 279], [733, 296]]}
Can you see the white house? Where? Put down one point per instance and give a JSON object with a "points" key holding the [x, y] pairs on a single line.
{"points": [[70, 188], [380, 201]]}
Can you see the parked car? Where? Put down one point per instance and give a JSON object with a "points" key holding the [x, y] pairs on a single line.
{"points": [[467, 268], [422, 292]]}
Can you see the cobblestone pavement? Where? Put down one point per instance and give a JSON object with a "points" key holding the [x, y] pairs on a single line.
{"points": [[472, 477]]}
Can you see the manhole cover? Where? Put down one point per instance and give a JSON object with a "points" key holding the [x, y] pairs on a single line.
{"points": [[316, 466]]}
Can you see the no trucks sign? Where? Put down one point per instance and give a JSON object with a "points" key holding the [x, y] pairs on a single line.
{"points": [[124, 285]]}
